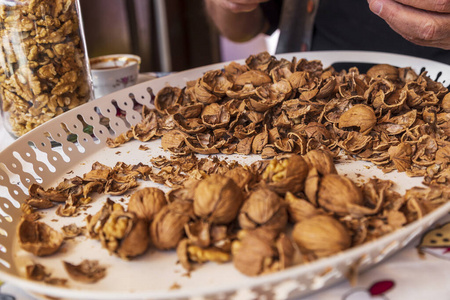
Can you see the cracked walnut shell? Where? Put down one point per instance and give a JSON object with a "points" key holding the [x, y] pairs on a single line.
{"points": [[286, 174], [167, 229], [39, 238], [360, 116]]}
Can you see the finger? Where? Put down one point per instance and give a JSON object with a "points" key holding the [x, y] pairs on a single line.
{"points": [[238, 6], [247, 1], [416, 25], [442, 6]]}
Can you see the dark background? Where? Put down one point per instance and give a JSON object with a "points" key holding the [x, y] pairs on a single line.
{"points": [[128, 26]]}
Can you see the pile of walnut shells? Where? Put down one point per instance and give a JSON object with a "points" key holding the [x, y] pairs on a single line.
{"points": [[272, 214]]}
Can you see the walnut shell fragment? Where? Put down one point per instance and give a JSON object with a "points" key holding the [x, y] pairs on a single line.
{"points": [[39, 272], [384, 71], [39, 238], [166, 98], [71, 231], [253, 77], [88, 271]]}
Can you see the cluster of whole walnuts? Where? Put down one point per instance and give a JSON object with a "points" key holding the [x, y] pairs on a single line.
{"points": [[264, 217]]}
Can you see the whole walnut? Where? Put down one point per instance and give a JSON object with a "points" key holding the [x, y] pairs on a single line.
{"points": [[286, 174], [336, 193], [321, 235], [263, 208], [321, 160], [242, 176], [167, 228], [299, 209], [217, 199], [259, 251], [147, 202]]}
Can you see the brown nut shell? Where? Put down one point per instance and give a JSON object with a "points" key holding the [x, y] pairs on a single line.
{"points": [[217, 199], [167, 229], [384, 71], [137, 240], [251, 251], [360, 116], [286, 174], [39, 238], [337, 192], [321, 235], [321, 160], [147, 202], [446, 103], [263, 208]]}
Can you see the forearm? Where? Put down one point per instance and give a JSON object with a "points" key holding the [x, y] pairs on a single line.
{"points": [[238, 26]]}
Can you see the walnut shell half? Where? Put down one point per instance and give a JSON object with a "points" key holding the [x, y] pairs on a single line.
{"points": [[39, 238]]}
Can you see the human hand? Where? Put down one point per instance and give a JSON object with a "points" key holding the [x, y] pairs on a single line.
{"points": [[239, 6], [423, 22]]}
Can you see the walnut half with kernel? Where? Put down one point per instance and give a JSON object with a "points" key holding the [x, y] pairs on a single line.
{"points": [[286, 174]]}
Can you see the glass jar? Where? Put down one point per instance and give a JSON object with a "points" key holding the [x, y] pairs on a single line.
{"points": [[44, 69]]}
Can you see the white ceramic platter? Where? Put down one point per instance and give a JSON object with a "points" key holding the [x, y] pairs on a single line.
{"points": [[156, 275]]}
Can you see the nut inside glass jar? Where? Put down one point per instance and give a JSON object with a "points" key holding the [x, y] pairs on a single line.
{"points": [[43, 62]]}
